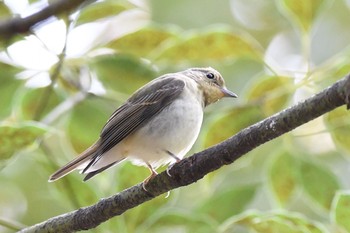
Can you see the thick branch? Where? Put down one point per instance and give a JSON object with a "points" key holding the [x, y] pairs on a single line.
{"points": [[23, 25], [192, 169]]}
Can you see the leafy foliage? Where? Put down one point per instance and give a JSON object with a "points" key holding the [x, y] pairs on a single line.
{"points": [[321, 194], [17, 137], [303, 13], [276, 222], [212, 46], [338, 124], [142, 42], [99, 10], [341, 210], [271, 53], [282, 176]]}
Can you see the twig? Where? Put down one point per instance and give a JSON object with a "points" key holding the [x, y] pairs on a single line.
{"points": [[44, 100], [19, 25], [45, 97]]}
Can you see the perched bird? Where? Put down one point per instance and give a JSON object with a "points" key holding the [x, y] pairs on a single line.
{"points": [[157, 125]]}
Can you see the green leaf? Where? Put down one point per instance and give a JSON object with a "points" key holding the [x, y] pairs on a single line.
{"points": [[318, 183], [300, 221], [5, 12], [38, 102], [123, 73], [176, 219], [228, 203], [230, 123], [275, 225], [303, 13], [99, 10], [209, 46], [338, 124], [16, 137], [271, 93], [286, 222], [141, 43], [8, 87], [13, 193], [87, 120], [282, 177], [341, 210]]}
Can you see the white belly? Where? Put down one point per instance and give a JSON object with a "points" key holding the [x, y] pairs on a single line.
{"points": [[175, 130]]}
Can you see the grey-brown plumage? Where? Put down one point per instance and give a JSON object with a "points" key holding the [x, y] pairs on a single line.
{"points": [[158, 124]]}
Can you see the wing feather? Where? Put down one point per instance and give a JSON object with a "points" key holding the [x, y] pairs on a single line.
{"points": [[140, 108]]}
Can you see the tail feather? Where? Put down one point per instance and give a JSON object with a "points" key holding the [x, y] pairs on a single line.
{"points": [[75, 163], [94, 173]]}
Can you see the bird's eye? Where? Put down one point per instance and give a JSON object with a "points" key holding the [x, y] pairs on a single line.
{"points": [[210, 76]]}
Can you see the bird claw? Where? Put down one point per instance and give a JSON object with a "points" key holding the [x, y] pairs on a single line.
{"points": [[167, 194], [145, 182], [144, 187], [169, 168], [172, 165]]}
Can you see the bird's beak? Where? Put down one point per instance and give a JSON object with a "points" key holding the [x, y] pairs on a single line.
{"points": [[228, 93]]}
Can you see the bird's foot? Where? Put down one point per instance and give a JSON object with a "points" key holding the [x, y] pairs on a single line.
{"points": [[153, 174]]}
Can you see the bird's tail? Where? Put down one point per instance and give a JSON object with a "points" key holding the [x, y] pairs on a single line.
{"points": [[75, 163]]}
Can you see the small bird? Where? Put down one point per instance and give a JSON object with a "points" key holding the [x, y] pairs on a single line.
{"points": [[156, 126]]}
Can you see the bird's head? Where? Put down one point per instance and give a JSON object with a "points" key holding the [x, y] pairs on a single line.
{"points": [[211, 83]]}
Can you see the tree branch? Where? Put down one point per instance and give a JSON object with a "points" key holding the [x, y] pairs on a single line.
{"points": [[19, 25], [190, 170]]}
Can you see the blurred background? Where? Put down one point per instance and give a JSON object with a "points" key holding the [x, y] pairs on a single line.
{"points": [[60, 83]]}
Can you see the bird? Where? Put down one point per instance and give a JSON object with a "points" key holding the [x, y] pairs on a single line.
{"points": [[156, 126]]}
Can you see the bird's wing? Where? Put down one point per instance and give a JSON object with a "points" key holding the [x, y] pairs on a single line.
{"points": [[138, 110]]}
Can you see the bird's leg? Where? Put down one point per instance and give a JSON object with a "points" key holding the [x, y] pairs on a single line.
{"points": [[153, 174], [170, 166]]}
